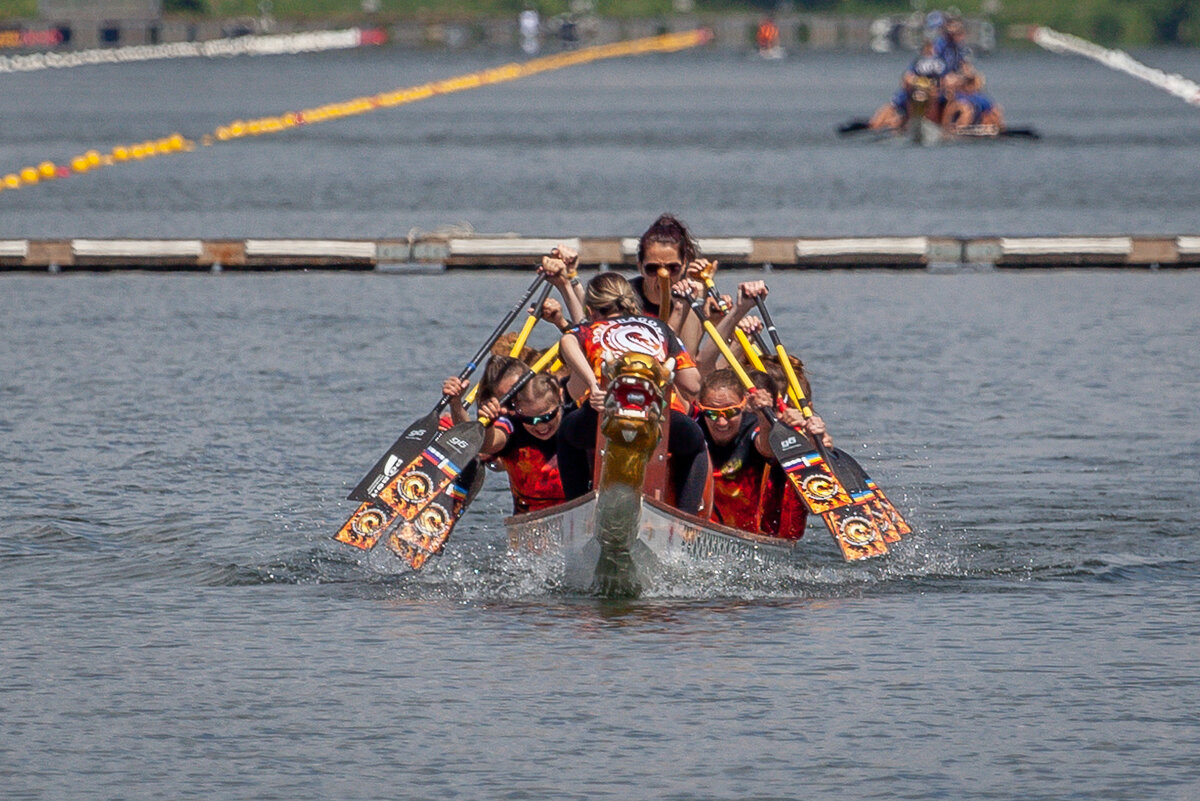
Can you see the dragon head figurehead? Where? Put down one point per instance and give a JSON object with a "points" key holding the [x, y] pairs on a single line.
{"points": [[634, 407], [635, 402]]}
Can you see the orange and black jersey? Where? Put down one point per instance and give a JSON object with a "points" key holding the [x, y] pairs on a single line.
{"points": [[603, 340], [532, 467]]}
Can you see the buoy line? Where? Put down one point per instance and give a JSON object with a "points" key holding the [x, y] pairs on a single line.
{"points": [[1119, 60], [274, 45], [178, 143]]}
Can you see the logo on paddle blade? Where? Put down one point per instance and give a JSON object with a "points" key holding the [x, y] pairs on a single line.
{"points": [[392, 466], [857, 530], [433, 520], [415, 487], [368, 522], [819, 487]]}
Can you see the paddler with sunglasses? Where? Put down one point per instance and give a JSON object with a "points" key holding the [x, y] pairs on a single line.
{"points": [[747, 482], [525, 442], [668, 248]]}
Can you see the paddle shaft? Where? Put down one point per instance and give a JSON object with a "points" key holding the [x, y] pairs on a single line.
{"points": [[472, 365], [794, 388], [734, 364], [742, 339]]}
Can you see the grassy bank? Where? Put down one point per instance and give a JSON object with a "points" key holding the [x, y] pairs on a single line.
{"points": [[1105, 21]]}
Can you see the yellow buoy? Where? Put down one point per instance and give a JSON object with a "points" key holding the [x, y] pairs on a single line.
{"points": [[120, 153], [12, 181], [80, 164], [29, 175], [48, 170]]}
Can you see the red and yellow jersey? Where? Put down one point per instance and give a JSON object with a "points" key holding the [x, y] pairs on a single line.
{"points": [[532, 467], [604, 340]]}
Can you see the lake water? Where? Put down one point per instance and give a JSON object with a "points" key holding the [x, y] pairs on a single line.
{"points": [[177, 623], [735, 145], [175, 451]]}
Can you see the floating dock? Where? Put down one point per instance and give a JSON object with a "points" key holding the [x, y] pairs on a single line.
{"points": [[437, 252]]}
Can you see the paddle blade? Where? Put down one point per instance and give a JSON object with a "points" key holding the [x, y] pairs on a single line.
{"points": [[807, 470], [1020, 133], [406, 448], [853, 126], [853, 528], [365, 526], [424, 536], [888, 520], [406, 494]]}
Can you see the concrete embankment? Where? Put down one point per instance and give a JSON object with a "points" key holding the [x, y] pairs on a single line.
{"points": [[436, 252]]}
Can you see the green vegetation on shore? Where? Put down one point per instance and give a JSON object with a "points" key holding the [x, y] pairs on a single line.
{"points": [[1106, 21]]}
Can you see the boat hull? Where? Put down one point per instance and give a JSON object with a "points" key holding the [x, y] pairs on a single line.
{"points": [[664, 537]]}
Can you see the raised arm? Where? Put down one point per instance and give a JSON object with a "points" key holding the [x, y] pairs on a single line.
{"points": [[559, 268]]}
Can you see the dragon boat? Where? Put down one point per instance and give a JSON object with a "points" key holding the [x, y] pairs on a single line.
{"points": [[619, 538]]}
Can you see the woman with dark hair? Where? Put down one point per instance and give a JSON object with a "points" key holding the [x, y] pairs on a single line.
{"points": [[668, 245], [615, 325]]}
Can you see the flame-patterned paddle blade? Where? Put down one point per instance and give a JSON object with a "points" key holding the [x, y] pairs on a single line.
{"points": [[853, 528], [416, 540], [808, 470], [408, 446], [888, 520], [412, 489]]}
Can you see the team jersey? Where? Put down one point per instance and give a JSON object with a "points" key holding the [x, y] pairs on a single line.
{"points": [[532, 467], [604, 340], [738, 471]]}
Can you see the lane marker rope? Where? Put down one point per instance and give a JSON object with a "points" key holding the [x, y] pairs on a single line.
{"points": [[274, 45], [1175, 84], [178, 143]]}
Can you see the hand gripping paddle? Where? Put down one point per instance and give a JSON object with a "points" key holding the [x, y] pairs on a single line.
{"points": [[808, 471], [418, 436]]}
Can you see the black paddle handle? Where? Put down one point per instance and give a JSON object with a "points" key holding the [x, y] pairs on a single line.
{"points": [[495, 335]]}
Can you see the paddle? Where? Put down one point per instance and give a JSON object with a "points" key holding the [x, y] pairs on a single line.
{"points": [[888, 520], [424, 533], [1020, 133], [535, 314], [854, 478], [706, 275], [853, 126], [418, 435], [664, 290], [805, 463], [425, 492]]}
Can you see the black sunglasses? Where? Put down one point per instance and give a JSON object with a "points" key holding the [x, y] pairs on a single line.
{"points": [[537, 419]]}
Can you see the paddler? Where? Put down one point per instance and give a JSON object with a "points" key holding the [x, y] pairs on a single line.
{"points": [[615, 325], [667, 250], [525, 441]]}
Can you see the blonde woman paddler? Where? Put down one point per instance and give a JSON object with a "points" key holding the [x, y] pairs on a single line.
{"points": [[615, 324]]}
